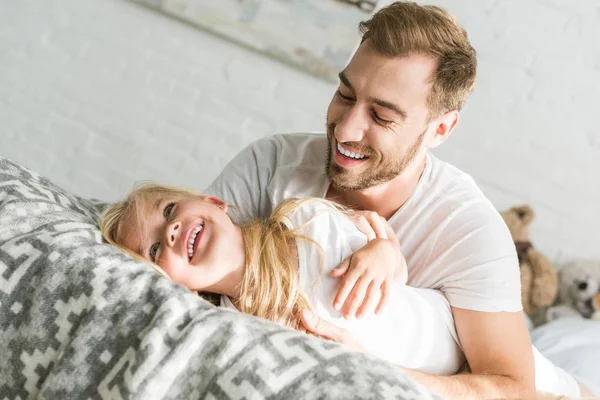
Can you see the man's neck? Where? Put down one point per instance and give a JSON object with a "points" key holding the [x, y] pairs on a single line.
{"points": [[384, 199]]}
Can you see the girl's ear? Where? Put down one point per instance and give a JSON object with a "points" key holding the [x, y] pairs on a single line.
{"points": [[217, 202]]}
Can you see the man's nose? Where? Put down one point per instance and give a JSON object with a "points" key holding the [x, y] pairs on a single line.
{"points": [[172, 232], [353, 126]]}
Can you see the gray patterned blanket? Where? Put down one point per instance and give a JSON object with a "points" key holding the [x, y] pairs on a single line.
{"points": [[79, 319]]}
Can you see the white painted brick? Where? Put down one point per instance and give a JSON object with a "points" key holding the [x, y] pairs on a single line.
{"points": [[96, 106], [239, 72]]}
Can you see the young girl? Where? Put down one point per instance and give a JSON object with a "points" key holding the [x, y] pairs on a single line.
{"points": [[276, 267]]}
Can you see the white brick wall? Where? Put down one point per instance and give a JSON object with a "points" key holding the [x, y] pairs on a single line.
{"points": [[97, 94]]}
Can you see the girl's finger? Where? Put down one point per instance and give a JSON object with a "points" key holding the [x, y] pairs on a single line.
{"points": [[385, 297], [377, 223], [346, 286], [355, 298], [363, 225], [341, 269], [371, 300]]}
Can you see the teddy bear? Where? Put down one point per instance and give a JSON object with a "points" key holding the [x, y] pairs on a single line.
{"points": [[579, 292], [539, 278], [596, 306]]}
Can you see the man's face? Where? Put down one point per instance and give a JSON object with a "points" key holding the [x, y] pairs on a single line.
{"points": [[378, 118]]}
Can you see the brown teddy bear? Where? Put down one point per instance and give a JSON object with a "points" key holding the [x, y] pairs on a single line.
{"points": [[539, 279]]}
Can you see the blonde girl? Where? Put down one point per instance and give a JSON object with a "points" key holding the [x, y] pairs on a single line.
{"points": [[277, 267]]}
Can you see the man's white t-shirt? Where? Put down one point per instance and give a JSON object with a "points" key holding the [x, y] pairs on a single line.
{"points": [[451, 236]]}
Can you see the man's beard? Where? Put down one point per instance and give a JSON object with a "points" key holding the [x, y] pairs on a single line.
{"points": [[343, 180]]}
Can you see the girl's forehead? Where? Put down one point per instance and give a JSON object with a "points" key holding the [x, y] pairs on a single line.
{"points": [[135, 221]]}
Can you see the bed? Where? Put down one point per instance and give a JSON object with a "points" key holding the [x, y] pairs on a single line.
{"points": [[573, 343], [80, 319]]}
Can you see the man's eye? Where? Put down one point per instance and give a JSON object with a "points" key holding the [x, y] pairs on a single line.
{"points": [[380, 120], [152, 252], [345, 98], [168, 210]]}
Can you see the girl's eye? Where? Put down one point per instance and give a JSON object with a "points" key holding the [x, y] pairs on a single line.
{"points": [[168, 210], [152, 252]]}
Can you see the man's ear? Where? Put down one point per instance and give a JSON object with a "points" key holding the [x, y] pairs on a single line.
{"points": [[217, 202], [442, 128]]}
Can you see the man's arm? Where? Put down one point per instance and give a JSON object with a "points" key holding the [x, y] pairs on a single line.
{"points": [[244, 180], [500, 356], [496, 345]]}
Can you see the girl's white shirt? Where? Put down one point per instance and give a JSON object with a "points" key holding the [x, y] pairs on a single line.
{"points": [[416, 329]]}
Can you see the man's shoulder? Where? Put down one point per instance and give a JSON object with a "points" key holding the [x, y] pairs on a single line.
{"points": [[287, 141], [447, 175], [450, 184], [453, 195], [295, 149]]}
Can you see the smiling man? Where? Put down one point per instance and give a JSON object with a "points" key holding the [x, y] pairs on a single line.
{"points": [[399, 97]]}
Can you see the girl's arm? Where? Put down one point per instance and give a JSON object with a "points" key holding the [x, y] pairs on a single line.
{"points": [[368, 274]]}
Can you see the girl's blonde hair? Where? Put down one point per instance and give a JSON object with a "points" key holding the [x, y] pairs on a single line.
{"points": [[270, 287]]}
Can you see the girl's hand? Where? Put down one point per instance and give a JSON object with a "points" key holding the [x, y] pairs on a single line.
{"points": [[368, 274], [371, 224]]}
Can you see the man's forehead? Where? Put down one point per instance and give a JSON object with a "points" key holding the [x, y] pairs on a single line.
{"points": [[402, 81], [411, 68]]}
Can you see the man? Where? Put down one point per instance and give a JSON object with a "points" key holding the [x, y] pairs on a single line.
{"points": [[400, 96]]}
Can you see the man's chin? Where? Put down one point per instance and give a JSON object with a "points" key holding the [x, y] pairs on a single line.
{"points": [[343, 181]]}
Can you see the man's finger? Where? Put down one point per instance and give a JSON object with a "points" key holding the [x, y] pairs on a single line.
{"points": [[321, 327], [371, 300]]}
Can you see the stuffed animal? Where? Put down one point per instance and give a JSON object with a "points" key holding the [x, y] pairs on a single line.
{"points": [[539, 280], [596, 305], [579, 293]]}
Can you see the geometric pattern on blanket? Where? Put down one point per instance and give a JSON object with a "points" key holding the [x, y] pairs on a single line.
{"points": [[81, 319]]}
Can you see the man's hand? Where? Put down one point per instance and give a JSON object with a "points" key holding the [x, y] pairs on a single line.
{"points": [[321, 328], [368, 274], [488, 380]]}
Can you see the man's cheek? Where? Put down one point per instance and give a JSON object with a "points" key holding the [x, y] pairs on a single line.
{"points": [[334, 111]]}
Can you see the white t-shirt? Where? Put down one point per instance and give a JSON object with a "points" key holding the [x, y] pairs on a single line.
{"points": [[452, 238], [416, 330]]}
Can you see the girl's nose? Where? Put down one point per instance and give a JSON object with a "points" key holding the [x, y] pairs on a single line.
{"points": [[172, 232]]}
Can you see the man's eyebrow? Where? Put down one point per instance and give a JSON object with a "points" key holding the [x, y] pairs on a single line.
{"points": [[390, 106], [345, 81], [379, 102]]}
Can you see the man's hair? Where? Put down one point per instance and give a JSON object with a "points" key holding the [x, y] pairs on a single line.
{"points": [[406, 28]]}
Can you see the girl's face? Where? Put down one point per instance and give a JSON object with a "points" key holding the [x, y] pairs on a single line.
{"points": [[193, 240]]}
